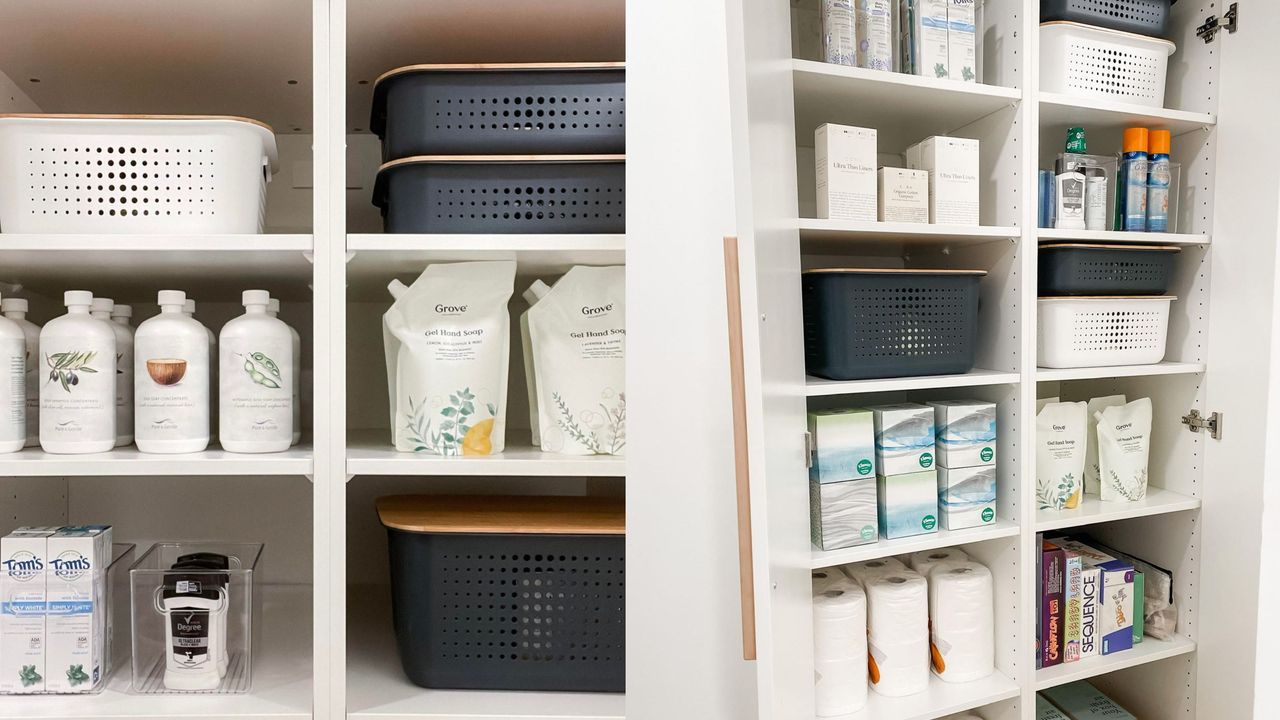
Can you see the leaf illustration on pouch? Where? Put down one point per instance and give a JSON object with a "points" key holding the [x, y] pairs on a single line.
{"points": [[262, 370], [458, 432], [65, 368]]}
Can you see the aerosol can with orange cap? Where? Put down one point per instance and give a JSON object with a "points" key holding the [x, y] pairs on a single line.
{"points": [[1133, 180], [1159, 173]]}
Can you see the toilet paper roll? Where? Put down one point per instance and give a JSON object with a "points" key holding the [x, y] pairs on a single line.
{"points": [[898, 633], [867, 569], [825, 577], [839, 646], [924, 560], [961, 614]]}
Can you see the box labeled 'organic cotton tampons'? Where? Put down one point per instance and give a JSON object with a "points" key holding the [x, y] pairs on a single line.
{"points": [[904, 195], [908, 504], [846, 172], [952, 164], [966, 432], [966, 496], [844, 444], [76, 626], [843, 514], [904, 438], [24, 558]]}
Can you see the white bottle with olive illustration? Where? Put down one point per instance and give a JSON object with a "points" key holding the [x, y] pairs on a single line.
{"points": [[77, 367], [13, 386], [171, 380], [101, 310], [255, 378], [273, 309], [15, 309]]}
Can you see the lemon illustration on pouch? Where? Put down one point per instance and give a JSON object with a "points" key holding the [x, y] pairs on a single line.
{"points": [[476, 441]]}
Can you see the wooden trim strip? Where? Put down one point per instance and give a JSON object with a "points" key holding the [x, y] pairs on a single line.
{"points": [[893, 271], [498, 67], [76, 116], [1056, 298], [1100, 246], [416, 159], [741, 465], [536, 515]]}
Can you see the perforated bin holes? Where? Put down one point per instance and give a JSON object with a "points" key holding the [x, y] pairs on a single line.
{"points": [[526, 113], [519, 202], [1118, 330], [120, 180], [1113, 71]]}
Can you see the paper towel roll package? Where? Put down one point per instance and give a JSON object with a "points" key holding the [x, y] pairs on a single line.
{"points": [[898, 633], [864, 571], [840, 645], [961, 615], [924, 560]]}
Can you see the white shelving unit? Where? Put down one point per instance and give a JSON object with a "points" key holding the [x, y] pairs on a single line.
{"points": [[1187, 514]]}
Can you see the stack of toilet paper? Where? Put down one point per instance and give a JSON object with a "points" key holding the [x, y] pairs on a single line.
{"points": [[839, 644], [924, 560], [961, 614], [898, 632]]}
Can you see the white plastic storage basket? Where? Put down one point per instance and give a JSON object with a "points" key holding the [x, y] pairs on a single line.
{"points": [[1079, 332], [1087, 61], [133, 174]]}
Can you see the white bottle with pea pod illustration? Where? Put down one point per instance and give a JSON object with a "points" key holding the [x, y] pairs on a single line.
{"points": [[255, 378], [77, 367], [171, 380]]}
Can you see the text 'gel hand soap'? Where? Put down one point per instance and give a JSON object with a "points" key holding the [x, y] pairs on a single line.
{"points": [[578, 341], [447, 339], [15, 309], [1060, 450], [13, 386], [255, 380], [78, 380], [171, 380]]}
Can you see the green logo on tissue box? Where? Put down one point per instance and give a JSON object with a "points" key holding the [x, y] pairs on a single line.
{"points": [[926, 460], [864, 467], [986, 454], [929, 522], [988, 514]]}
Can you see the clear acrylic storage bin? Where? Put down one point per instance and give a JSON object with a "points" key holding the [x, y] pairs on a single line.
{"points": [[115, 615], [1175, 190], [1100, 173], [194, 625]]}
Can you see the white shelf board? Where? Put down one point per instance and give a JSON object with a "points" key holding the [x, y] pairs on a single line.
{"points": [[1128, 238], [820, 387], [1117, 371], [1149, 650], [815, 231], [371, 453], [1001, 528], [377, 687], [903, 108], [377, 257], [1057, 109], [281, 679], [206, 266], [1092, 510], [128, 461], [942, 698]]}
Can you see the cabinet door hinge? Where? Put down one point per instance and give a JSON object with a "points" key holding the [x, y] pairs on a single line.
{"points": [[808, 449], [1195, 422], [1230, 22]]}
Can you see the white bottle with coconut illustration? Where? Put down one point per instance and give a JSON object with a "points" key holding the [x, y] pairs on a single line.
{"points": [[13, 386], [101, 310], [15, 309], [77, 380], [273, 309], [171, 380], [255, 378], [189, 309]]}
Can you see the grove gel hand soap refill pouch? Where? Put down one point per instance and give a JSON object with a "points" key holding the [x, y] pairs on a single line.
{"points": [[1060, 447], [447, 340], [577, 341]]}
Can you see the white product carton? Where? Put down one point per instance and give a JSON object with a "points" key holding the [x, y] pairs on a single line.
{"points": [[24, 559], [966, 496], [912, 157], [844, 445], [904, 195], [953, 179], [962, 41], [846, 172], [904, 438], [874, 21], [966, 431], [927, 35], [76, 627], [843, 514]]}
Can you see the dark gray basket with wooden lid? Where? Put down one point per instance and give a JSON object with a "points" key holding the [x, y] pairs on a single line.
{"points": [[509, 593], [501, 109], [1094, 269], [1142, 17], [862, 323]]}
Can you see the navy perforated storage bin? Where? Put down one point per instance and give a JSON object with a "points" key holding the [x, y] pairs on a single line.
{"points": [[875, 323], [508, 593], [1142, 17], [1087, 269], [501, 194], [533, 109]]}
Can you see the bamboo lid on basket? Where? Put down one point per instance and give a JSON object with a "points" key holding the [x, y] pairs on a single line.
{"points": [[1101, 246], [1064, 298], [892, 271], [503, 514]]}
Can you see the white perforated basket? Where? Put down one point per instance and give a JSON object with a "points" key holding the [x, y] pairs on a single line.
{"points": [[1087, 61], [124, 174], [1077, 332]]}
